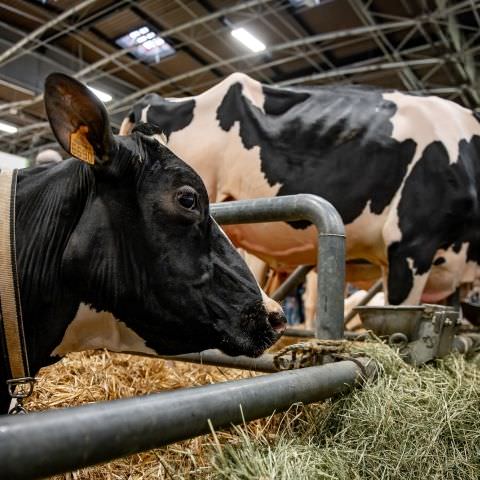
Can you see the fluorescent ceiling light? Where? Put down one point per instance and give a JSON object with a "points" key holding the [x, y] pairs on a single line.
{"points": [[146, 44], [8, 127], [251, 42], [103, 96], [305, 3]]}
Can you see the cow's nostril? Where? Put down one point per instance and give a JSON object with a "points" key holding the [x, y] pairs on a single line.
{"points": [[277, 321]]}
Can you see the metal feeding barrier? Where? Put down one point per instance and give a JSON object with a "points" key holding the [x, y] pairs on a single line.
{"points": [[43, 444]]}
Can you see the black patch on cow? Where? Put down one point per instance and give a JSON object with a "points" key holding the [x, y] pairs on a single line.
{"points": [[335, 141], [330, 141], [438, 208], [279, 101], [469, 153], [400, 280], [168, 116]]}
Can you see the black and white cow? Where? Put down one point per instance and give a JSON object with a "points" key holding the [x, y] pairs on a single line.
{"points": [[402, 170], [126, 247]]}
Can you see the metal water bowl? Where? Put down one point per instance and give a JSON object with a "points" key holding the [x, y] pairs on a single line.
{"points": [[390, 319]]}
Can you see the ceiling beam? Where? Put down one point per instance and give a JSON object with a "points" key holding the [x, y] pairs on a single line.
{"points": [[4, 56]]}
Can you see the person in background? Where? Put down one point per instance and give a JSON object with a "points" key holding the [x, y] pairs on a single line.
{"points": [[46, 157], [293, 307]]}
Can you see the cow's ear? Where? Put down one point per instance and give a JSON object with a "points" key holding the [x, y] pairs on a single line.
{"points": [[78, 119]]}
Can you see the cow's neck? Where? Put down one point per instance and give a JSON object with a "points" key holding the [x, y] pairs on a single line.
{"points": [[49, 203]]}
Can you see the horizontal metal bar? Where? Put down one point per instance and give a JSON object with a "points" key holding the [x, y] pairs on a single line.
{"points": [[307, 333], [299, 332], [264, 363], [466, 342], [330, 248], [43, 444]]}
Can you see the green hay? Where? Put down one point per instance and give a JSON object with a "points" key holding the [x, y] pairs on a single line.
{"points": [[408, 424]]}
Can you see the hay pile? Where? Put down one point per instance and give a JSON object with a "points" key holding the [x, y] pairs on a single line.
{"points": [[422, 423], [410, 424], [94, 376]]}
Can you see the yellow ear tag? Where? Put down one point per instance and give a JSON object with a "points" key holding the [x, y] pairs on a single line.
{"points": [[80, 147]]}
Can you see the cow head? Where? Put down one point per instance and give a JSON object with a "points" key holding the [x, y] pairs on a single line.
{"points": [[146, 248]]}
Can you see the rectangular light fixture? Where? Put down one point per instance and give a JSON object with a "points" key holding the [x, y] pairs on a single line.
{"points": [[245, 37], [103, 96], [146, 44], [305, 3], [8, 127]]}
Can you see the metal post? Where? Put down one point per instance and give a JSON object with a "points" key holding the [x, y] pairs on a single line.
{"points": [[38, 445], [331, 246]]}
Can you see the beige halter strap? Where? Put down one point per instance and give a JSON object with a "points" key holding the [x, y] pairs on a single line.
{"points": [[10, 307]]}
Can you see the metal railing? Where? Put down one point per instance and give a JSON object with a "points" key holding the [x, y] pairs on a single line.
{"points": [[330, 248], [38, 445]]}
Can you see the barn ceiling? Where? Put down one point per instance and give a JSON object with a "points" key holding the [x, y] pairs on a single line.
{"points": [[425, 46]]}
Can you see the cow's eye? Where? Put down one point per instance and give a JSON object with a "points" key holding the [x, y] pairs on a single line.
{"points": [[187, 197]]}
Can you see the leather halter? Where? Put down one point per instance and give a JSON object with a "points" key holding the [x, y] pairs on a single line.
{"points": [[14, 345]]}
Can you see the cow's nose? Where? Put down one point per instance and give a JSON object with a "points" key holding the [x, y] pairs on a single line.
{"points": [[277, 321]]}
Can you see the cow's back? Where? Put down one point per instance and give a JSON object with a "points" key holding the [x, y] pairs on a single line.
{"points": [[391, 163]]}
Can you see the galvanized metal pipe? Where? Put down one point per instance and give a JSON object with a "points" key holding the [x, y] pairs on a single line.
{"points": [[299, 332], [307, 333], [466, 342], [331, 246], [293, 280], [43, 444], [264, 363]]}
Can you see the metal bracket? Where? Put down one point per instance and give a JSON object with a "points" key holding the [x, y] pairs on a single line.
{"points": [[434, 335], [19, 389]]}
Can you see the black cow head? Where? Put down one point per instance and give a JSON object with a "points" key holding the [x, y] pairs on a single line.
{"points": [[146, 248]]}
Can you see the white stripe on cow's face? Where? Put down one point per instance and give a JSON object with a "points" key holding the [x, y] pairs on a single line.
{"points": [[92, 330]]}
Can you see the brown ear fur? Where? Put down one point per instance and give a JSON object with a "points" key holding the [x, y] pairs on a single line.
{"points": [[78, 119]]}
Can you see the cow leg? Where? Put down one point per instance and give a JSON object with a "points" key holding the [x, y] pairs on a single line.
{"points": [[310, 299], [407, 272]]}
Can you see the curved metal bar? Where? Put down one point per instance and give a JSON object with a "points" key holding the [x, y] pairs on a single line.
{"points": [[331, 246], [38, 445], [287, 208]]}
